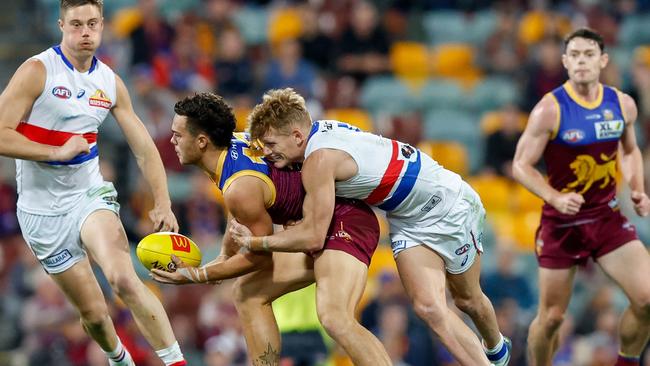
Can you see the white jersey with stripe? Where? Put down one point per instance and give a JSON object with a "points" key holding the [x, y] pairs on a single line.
{"points": [[392, 175], [72, 103]]}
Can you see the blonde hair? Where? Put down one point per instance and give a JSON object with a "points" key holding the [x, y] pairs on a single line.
{"points": [[280, 109]]}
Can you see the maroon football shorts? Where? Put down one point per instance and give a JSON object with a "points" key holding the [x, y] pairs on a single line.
{"points": [[354, 229], [562, 244]]}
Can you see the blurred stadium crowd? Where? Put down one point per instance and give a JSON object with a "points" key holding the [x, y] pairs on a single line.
{"points": [[456, 78]]}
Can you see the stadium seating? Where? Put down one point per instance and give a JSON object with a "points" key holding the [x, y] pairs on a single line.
{"points": [[252, 23], [387, 95], [491, 122], [493, 93], [284, 24], [495, 192], [455, 125], [451, 155], [442, 93], [353, 116], [410, 63]]}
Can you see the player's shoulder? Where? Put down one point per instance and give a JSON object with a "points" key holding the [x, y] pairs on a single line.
{"points": [[32, 67], [627, 104], [246, 195], [545, 114], [29, 78]]}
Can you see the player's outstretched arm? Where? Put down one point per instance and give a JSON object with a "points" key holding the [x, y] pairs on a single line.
{"points": [[16, 103], [147, 157], [631, 159], [245, 201], [542, 122], [318, 177]]}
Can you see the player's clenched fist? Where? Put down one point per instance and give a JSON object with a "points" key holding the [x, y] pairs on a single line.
{"points": [[74, 146], [567, 203], [641, 203]]}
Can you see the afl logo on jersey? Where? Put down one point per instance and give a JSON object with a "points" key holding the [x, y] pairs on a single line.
{"points": [[573, 135], [61, 92]]}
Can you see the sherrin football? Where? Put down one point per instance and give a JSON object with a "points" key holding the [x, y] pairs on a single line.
{"points": [[155, 250]]}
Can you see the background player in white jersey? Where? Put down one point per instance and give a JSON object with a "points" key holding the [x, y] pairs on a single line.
{"points": [[49, 116], [436, 219]]}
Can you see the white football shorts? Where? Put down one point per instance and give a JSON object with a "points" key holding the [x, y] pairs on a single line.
{"points": [[457, 237], [56, 240]]}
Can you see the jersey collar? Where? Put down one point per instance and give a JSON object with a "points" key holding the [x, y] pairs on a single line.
{"points": [[67, 62]]}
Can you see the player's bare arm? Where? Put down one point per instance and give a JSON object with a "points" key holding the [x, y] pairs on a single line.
{"points": [[245, 202], [15, 104], [631, 159], [542, 122], [318, 176], [147, 157]]}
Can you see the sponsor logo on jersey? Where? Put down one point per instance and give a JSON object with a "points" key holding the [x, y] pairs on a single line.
{"points": [[628, 226], [180, 243], [462, 250], [613, 203], [100, 99], [593, 116], [609, 129], [433, 202], [608, 115], [81, 93], [573, 135], [342, 234], [398, 244], [234, 154], [58, 258], [407, 151], [539, 244], [61, 92], [464, 260]]}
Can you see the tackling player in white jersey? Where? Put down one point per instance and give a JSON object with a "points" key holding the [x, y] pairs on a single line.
{"points": [[435, 218], [49, 116]]}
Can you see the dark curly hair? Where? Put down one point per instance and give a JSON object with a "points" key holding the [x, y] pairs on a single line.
{"points": [[210, 114]]}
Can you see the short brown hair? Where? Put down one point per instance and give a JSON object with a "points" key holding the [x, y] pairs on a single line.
{"points": [[586, 33], [280, 108], [67, 4]]}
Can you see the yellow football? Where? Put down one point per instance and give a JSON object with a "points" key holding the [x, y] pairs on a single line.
{"points": [[155, 250]]}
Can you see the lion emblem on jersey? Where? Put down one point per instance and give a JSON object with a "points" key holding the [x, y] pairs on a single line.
{"points": [[588, 171]]}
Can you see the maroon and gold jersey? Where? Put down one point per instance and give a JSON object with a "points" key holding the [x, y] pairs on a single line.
{"points": [[354, 228], [581, 156], [289, 195]]}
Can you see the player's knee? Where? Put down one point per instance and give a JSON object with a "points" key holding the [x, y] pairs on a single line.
{"points": [[433, 312], [123, 284], [467, 305], [335, 320], [643, 309], [239, 292], [94, 316], [244, 294], [552, 319]]}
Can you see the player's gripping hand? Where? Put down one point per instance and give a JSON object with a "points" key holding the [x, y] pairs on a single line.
{"points": [[75, 145], [641, 203], [567, 203], [240, 234], [163, 218], [183, 274]]}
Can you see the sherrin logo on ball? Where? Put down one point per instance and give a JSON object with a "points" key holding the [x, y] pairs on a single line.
{"points": [[155, 250]]}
